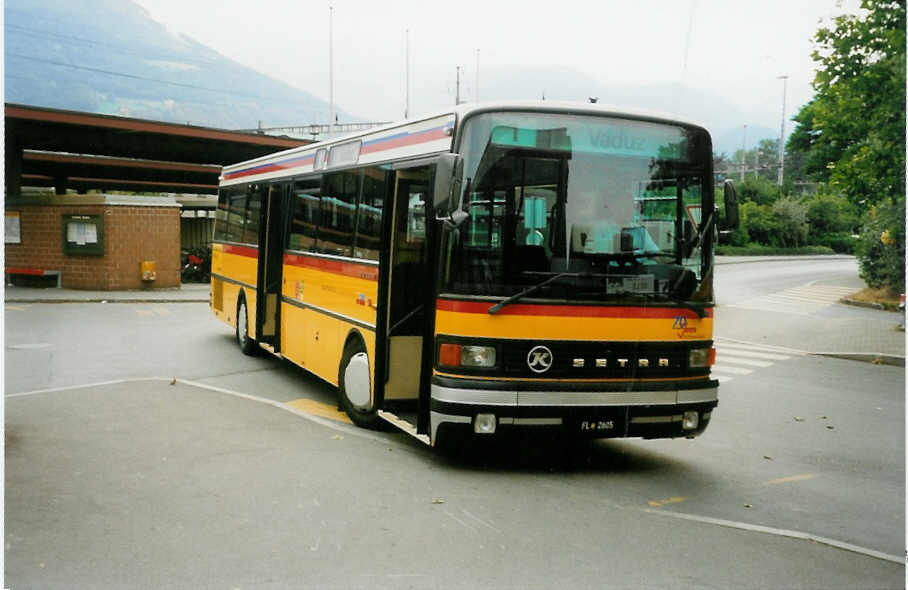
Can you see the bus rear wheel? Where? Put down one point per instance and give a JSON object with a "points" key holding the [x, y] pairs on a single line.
{"points": [[353, 386], [247, 344]]}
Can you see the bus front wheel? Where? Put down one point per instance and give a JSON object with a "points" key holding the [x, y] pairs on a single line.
{"points": [[353, 386], [247, 344]]}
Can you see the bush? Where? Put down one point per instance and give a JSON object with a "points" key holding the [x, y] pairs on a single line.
{"points": [[791, 221], [881, 247], [832, 220], [759, 224], [758, 190]]}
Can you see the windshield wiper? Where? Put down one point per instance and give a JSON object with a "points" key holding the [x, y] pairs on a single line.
{"points": [[497, 307]]}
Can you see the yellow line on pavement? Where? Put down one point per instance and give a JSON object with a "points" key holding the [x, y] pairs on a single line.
{"points": [[673, 500], [319, 409], [802, 477], [15, 308]]}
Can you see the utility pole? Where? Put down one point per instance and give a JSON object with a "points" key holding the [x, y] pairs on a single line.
{"points": [[476, 89], [743, 153], [782, 133], [331, 67], [407, 77], [457, 94]]}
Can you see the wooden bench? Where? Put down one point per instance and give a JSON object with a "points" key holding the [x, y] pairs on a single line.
{"points": [[35, 272]]}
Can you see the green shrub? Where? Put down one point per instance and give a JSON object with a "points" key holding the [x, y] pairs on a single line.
{"points": [[881, 247], [791, 222]]}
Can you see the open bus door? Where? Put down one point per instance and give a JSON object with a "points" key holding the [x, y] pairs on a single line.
{"points": [[275, 200], [408, 327]]}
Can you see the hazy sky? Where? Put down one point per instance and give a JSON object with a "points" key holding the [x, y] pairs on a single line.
{"points": [[735, 48]]}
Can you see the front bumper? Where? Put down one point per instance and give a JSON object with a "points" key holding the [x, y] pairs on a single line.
{"points": [[596, 410]]}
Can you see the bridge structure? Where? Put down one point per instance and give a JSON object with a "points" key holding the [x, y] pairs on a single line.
{"points": [[316, 130], [71, 150]]}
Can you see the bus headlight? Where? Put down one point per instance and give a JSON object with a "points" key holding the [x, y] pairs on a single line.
{"points": [[461, 355], [701, 357]]}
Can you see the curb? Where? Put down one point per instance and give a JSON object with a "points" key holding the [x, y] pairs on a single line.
{"points": [[98, 300], [875, 358], [870, 304], [726, 259]]}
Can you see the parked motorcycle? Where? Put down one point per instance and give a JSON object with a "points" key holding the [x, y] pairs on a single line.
{"points": [[195, 265]]}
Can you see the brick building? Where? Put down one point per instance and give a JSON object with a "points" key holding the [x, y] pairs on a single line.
{"points": [[131, 230]]}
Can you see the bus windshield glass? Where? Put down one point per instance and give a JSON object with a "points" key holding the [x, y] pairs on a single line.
{"points": [[618, 209]]}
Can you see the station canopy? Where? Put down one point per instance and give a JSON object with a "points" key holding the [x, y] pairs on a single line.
{"points": [[89, 152]]}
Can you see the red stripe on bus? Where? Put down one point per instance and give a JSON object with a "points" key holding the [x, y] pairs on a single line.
{"points": [[341, 267], [581, 311], [271, 167], [422, 137], [247, 251]]}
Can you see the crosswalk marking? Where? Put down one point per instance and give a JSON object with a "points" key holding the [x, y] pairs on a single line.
{"points": [[735, 370], [753, 354], [737, 359], [743, 361], [801, 300]]}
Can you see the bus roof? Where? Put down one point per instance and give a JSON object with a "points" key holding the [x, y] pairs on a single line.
{"points": [[425, 135]]}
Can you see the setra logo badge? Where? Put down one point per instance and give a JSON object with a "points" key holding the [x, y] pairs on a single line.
{"points": [[540, 359]]}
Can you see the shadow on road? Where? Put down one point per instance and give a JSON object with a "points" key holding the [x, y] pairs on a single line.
{"points": [[526, 452]]}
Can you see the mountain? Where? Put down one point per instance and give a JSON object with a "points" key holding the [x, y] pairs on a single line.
{"points": [[111, 57]]}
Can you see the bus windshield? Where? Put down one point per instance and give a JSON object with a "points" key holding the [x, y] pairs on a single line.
{"points": [[617, 208]]}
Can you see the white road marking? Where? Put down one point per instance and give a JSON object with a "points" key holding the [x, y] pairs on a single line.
{"points": [[734, 360], [780, 533], [800, 300]]}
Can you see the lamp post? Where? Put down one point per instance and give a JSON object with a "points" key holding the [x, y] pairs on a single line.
{"points": [[331, 69], [743, 153], [782, 132]]}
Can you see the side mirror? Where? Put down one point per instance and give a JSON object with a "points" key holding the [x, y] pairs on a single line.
{"points": [[731, 206], [456, 218], [448, 180]]}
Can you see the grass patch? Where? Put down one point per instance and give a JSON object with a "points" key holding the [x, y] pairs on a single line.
{"points": [[758, 250], [885, 296]]}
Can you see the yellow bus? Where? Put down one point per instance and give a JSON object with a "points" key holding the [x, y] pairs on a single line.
{"points": [[499, 266]]}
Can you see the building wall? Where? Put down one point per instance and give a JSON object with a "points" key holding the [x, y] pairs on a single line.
{"points": [[134, 230]]}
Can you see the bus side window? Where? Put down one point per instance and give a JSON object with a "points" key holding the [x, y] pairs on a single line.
{"points": [[236, 215], [253, 214], [220, 216], [339, 193], [306, 214], [369, 214]]}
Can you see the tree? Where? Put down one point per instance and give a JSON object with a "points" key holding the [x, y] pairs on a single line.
{"points": [[852, 133]]}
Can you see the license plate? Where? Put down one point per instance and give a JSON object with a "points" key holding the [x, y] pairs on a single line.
{"points": [[605, 424], [602, 425]]}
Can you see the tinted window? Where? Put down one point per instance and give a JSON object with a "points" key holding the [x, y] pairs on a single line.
{"points": [[339, 194], [369, 214], [253, 215], [236, 216], [220, 218], [306, 214]]}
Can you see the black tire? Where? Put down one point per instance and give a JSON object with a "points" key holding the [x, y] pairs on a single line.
{"points": [[247, 344], [363, 418]]}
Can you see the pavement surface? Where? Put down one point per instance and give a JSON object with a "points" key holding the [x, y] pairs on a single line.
{"points": [[146, 482], [867, 343]]}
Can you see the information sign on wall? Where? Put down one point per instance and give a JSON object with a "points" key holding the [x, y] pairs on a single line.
{"points": [[12, 232], [83, 235]]}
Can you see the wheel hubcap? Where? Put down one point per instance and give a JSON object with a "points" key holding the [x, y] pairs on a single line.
{"points": [[242, 324]]}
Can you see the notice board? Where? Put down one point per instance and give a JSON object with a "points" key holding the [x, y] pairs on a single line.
{"points": [[83, 235]]}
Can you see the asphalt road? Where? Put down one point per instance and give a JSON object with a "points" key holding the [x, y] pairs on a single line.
{"points": [[798, 482]]}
